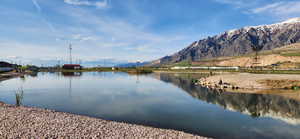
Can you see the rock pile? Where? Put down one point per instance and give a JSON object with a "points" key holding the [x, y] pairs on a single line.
{"points": [[220, 85]]}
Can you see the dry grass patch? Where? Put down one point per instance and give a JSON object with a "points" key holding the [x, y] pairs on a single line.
{"points": [[287, 84]]}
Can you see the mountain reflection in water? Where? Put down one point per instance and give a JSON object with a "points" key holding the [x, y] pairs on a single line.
{"points": [[163, 100], [285, 108]]}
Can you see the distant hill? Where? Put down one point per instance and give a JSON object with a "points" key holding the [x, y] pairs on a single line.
{"points": [[5, 64], [237, 42], [285, 57]]}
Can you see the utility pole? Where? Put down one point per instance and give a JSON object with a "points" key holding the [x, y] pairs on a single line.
{"points": [[256, 62], [80, 61], [70, 48], [58, 63]]}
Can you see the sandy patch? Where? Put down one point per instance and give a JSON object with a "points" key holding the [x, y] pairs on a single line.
{"points": [[254, 81]]}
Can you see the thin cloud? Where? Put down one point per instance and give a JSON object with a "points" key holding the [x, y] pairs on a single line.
{"points": [[39, 9], [98, 4], [27, 49], [82, 38], [37, 6], [97, 35], [280, 9], [267, 7], [238, 3]]}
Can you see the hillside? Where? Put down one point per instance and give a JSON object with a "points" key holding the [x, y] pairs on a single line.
{"points": [[238, 42], [286, 57]]}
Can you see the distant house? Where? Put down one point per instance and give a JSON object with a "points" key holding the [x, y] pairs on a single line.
{"points": [[72, 67], [6, 67]]}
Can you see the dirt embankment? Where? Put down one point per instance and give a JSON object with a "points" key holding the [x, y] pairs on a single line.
{"points": [[9, 75], [252, 81], [25, 122], [289, 54], [262, 61]]}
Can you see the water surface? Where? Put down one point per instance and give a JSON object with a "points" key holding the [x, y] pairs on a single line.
{"points": [[161, 100]]}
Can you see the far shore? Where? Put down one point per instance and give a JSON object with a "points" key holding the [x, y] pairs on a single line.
{"points": [[9, 75], [28, 122], [247, 82]]}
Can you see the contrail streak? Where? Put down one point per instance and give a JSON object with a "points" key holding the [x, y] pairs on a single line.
{"points": [[39, 9], [37, 6]]}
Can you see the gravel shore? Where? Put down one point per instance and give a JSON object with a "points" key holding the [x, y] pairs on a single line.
{"points": [[26, 122]]}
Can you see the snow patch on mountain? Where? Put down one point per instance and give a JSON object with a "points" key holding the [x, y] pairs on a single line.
{"points": [[270, 28]]}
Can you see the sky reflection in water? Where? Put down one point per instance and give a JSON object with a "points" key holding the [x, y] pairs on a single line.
{"points": [[161, 100]]}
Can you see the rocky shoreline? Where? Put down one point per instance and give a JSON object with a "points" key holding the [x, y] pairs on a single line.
{"points": [[27, 122], [247, 82]]}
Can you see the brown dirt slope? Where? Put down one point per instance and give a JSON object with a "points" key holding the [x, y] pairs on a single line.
{"points": [[286, 57]]}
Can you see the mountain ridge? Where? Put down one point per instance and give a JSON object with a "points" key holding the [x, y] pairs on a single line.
{"points": [[238, 42]]}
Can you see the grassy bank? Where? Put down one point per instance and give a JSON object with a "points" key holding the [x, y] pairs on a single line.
{"points": [[147, 70], [127, 70]]}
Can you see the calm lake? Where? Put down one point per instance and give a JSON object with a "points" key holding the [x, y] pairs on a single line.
{"points": [[161, 100]]}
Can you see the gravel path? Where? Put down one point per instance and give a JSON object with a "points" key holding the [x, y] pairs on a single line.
{"points": [[25, 122]]}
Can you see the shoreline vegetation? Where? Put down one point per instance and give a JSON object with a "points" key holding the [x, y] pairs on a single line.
{"points": [[146, 70], [108, 69], [29, 122]]}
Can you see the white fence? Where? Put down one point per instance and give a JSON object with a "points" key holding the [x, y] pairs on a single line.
{"points": [[205, 68]]}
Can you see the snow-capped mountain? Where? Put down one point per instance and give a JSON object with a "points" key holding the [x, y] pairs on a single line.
{"points": [[239, 42], [271, 28]]}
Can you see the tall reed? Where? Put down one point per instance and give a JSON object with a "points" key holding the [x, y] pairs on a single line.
{"points": [[19, 97]]}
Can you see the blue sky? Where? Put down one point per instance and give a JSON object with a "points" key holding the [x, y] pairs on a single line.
{"points": [[124, 30]]}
